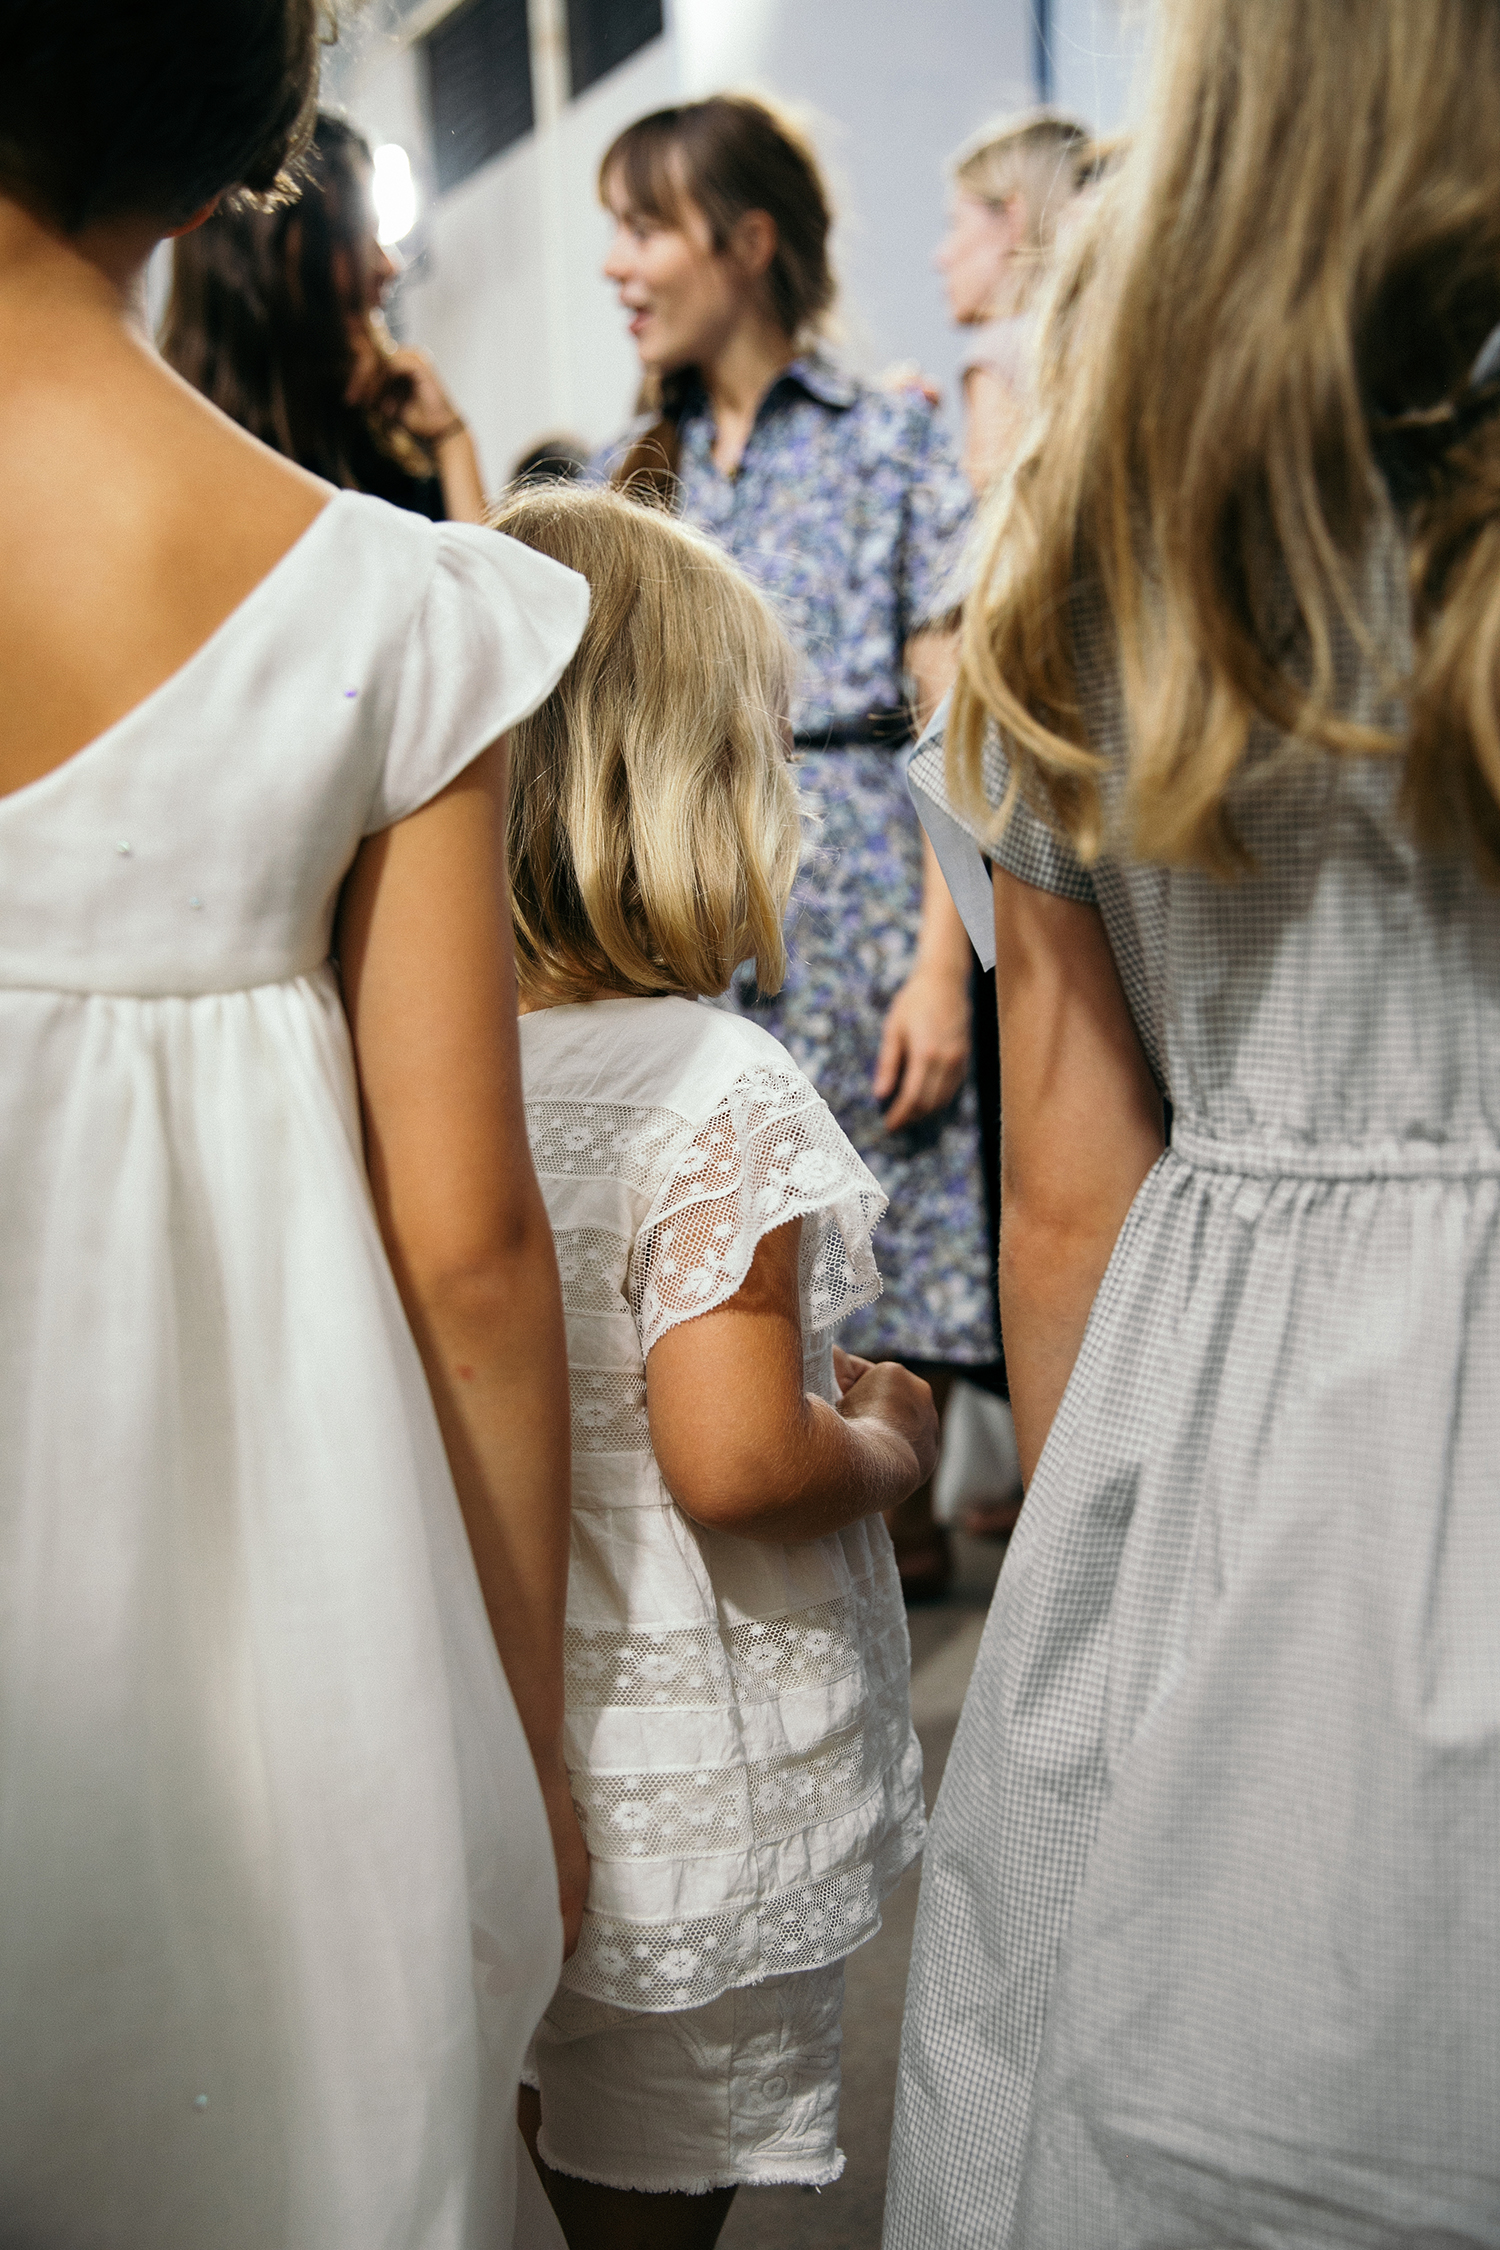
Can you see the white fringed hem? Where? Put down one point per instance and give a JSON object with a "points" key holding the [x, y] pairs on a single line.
{"points": [[783, 2174]]}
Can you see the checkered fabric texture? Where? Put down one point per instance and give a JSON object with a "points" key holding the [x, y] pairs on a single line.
{"points": [[1206, 1945]]}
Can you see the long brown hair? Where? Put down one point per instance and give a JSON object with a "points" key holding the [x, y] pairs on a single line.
{"points": [[724, 156], [259, 312], [1284, 291]]}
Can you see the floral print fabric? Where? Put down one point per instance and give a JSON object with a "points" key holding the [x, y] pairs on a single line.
{"points": [[852, 938], [850, 511]]}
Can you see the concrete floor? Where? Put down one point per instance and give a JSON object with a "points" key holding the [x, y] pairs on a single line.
{"points": [[847, 2216]]}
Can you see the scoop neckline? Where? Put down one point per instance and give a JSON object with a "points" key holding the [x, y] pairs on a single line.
{"points": [[190, 664]]}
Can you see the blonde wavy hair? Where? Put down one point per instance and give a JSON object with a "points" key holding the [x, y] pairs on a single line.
{"points": [[1282, 293], [654, 826], [1041, 156]]}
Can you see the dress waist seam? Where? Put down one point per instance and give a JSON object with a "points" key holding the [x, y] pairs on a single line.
{"points": [[37, 989], [1375, 1160]]}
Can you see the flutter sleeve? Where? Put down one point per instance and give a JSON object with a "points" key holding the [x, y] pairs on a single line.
{"points": [[488, 643], [770, 1151], [1026, 847]]}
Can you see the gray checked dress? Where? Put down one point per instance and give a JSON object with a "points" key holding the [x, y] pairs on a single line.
{"points": [[1207, 1945]]}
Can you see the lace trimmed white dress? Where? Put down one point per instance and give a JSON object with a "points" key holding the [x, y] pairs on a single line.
{"points": [[739, 1730], [278, 1904]]}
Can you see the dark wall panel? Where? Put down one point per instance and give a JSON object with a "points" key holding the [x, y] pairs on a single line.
{"points": [[478, 71], [604, 33]]}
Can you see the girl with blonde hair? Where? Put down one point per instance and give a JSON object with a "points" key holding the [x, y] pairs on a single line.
{"points": [[738, 1732], [1205, 1947], [844, 503], [1012, 183]]}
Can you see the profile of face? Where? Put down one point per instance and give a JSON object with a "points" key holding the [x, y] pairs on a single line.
{"points": [[976, 254], [682, 298], [364, 270]]}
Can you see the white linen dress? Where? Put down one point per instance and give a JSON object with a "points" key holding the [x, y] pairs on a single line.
{"points": [[738, 1715], [277, 1905], [1206, 1948]]}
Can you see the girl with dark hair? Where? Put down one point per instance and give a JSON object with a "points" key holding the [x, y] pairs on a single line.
{"points": [[845, 503], [280, 1910], [275, 316]]}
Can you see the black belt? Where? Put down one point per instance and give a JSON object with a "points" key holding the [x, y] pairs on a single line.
{"points": [[874, 730]]}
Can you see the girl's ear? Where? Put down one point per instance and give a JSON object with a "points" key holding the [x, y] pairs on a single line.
{"points": [[1015, 220], [753, 242]]}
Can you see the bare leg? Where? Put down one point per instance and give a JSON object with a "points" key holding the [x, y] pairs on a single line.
{"points": [[602, 2218]]}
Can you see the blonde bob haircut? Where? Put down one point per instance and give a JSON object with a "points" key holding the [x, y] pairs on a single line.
{"points": [[1283, 289], [654, 826]]}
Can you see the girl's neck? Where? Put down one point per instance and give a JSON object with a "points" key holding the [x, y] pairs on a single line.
{"points": [[1010, 296], [101, 270], [737, 377]]}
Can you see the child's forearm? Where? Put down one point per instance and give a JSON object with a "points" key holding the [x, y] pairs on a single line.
{"points": [[827, 1473]]}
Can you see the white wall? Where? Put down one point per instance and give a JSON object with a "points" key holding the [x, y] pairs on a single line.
{"points": [[1097, 47], [505, 288]]}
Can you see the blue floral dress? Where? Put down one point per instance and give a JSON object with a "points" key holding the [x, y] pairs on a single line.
{"points": [[849, 510]]}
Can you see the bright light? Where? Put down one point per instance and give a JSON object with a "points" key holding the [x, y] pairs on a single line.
{"points": [[395, 193]]}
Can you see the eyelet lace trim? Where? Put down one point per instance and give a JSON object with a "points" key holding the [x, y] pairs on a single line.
{"points": [[683, 1964], [609, 1410], [594, 1140], [716, 1809], [697, 1666], [770, 1152], [592, 1263]]}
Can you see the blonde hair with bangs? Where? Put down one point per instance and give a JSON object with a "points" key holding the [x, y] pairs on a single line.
{"points": [[653, 826], [1297, 265]]}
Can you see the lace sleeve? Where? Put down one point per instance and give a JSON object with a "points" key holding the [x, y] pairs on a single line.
{"points": [[770, 1152]]}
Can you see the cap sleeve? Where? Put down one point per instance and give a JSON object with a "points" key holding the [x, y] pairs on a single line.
{"points": [[489, 642], [769, 1152], [1026, 847]]}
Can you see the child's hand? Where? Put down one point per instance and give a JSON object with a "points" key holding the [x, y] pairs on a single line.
{"points": [[848, 1368], [891, 1394]]}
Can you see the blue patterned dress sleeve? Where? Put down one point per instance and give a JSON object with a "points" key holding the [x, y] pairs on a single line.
{"points": [[939, 510]]}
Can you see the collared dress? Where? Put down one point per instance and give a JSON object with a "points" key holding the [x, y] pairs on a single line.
{"points": [[850, 511], [1205, 1953]]}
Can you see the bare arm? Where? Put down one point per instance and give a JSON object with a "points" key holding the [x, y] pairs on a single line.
{"points": [[458, 470], [404, 383], [1081, 1126], [924, 1047], [741, 1445], [994, 422], [429, 984]]}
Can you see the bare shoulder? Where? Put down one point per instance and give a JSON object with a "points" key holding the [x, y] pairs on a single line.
{"points": [[134, 518], [102, 446]]}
